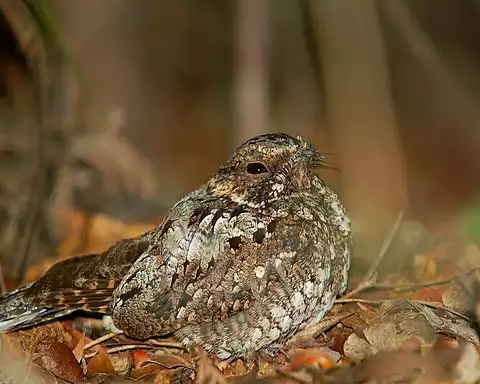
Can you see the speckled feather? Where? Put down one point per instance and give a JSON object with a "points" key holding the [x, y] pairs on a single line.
{"points": [[238, 265]]}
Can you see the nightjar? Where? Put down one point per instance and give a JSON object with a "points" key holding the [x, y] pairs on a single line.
{"points": [[240, 264]]}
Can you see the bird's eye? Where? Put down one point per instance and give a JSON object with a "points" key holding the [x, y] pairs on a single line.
{"points": [[256, 168]]}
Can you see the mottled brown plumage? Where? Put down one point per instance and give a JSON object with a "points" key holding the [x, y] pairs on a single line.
{"points": [[258, 252]]}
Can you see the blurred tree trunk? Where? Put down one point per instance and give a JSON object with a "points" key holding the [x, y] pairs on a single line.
{"points": [[360, 111], [40, 110], [251, 93]]}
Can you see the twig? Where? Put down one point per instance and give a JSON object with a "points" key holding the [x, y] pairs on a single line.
{"points": [[102, 339], [121, 348], [403, 287], [166, 344], [363, 301], [422, 302], [311, 332], [126, 347], [145, 362], [369, 279], [435, 305]]}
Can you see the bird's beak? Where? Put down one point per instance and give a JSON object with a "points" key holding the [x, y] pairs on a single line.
{"points": [[310, 156], [308, 159]]}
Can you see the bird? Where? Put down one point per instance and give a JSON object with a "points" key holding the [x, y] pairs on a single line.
{"points": [[255, 254]]}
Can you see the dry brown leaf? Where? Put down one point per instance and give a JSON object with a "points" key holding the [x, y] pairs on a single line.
{"points": [[122, 362], [425, 266], [208, 373], [78, 349], [59, 360], [315, 357], [338, 336], [429, 294], [458, 294], [139, 357], [175, 361], [15, 367], [238, 368], [164, 376], [100, 363]]}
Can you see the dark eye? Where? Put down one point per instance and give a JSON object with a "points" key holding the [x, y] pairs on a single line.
{"points": [[256, 168]]}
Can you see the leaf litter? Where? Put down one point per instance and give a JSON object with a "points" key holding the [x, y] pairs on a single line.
{"points": [[418, 326]]}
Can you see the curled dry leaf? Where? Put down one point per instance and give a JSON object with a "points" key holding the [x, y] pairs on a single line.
{"points": [[15, 367], [174, 361], [121, 362], [315, 357], [139, 357], [458, 294], [58, 359], [429, 294], [238, 368], [311, 332], [100, 363], [358, 349], [396, 324], [78, 349], [338, 337], [164, 376], [207, 373], [144, 366], [402, 320]]}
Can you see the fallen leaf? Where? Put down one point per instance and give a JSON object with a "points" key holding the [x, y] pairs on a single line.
{"points": [[15, 367], [425, 266], [207, 373], [100, 363], [164, 377], [429, 294], [59, 360], [338, 336], [78, 349], [358, 349], [315, 357], [122, 362], [445, 342], [238, 368], [458, 294], [174, 361], [139, 357]]}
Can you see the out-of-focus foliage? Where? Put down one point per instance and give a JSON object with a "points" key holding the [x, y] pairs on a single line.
{"points": [[471, 221]]}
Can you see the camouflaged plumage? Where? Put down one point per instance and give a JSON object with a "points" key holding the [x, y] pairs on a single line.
{"points": [[257, 253]]}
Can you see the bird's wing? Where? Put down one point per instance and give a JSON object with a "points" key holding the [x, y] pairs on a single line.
{"points": [[206, 267], [81, 283]]}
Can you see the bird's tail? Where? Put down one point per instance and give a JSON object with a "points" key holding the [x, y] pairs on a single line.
{"points": [[17, 312]]}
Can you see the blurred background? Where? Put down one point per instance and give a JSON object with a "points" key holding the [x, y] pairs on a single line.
{"points": [[112, 110]]}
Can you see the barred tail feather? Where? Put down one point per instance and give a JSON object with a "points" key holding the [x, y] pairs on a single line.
{"points": [[17, 313]]}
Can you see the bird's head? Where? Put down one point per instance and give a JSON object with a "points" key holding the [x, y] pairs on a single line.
{"points": [[265, 168]]}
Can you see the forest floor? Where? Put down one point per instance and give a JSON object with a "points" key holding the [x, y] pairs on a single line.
{"points": [[415, 322]]}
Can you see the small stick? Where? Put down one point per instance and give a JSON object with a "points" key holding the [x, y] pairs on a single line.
{"points": [[402, 287], [435, 305], [312, 331], [430, 304], [121, 348], [369, 279], [101, 339]]}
